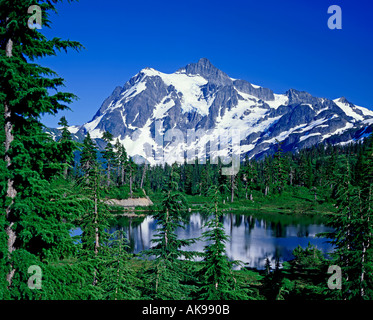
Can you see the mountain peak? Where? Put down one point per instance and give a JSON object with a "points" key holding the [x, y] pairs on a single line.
{"points": [[207, 70], [342, 100], [204, 62]]}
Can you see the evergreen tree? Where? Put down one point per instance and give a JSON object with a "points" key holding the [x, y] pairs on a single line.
{"points": [[188, 173], [206, 177], [250, 176], [267, 172], [218, 281], [108, 154], [88, 158], [352, 238], [331, 170], [29, 153], [309, 173], [302, 169], [118, 279], [366, 219], [174, 180], [94, 221], [279, 169], [196, 183], [308, 274], [272, 282], [67, 146], [166, 278], [3, 236], [132, 167], [121, 160]]}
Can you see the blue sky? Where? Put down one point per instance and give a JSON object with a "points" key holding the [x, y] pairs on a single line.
{"points": [[276, 44]]}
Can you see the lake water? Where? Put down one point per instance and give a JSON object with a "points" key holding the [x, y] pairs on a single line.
{"points": [[252, 238]]}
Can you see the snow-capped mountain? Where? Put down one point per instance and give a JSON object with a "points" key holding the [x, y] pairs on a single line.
{"points": [[155, 110]]}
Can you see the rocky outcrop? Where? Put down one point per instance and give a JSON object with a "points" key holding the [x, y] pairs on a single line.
{"points": [[130, 203]]}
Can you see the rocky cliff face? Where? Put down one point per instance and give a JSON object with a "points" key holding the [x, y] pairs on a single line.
{"points": [[155, 110]]}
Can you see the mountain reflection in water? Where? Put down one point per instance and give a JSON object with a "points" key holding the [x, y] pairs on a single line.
{"points": [[252, 238]]}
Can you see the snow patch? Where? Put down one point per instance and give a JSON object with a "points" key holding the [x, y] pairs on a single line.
{"points": [[280, 100], [321, 110], [160, 110], [189, 86], [309, 135], [365, 111], [71, 129], [90, 126], [313, 124], [348, 125], [96, 134], [283, 135], [368, 121], [247, 147], [348, 110]]}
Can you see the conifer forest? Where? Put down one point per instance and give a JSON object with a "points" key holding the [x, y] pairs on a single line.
{"points": [[51, 187]]}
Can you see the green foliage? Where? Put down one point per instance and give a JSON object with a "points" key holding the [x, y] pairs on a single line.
{"points": [[167, 271], [218, 281], [304, 277], [118, 279], [307, 259], [279, 170], [66, 146], [353, 233], [108, 154], [121, 161], [250, 177], [37, 211], [274, 286], [88, 160]]}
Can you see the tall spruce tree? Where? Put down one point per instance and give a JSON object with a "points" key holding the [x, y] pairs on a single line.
{"points": [[94, 220], [121, 160], [88, 157], [118, 279], [217, 279], [3, 236], [279, 169], [268, 175], [109, 155], [352, 237], [166, 278], [67, 146], [250, 175], [206, 177], [132, 167], [30, 161], [366, 217], [188, 173]]}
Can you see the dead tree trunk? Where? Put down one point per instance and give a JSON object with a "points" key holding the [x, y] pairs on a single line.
{"points": [[11, 191], [232, 189], [96, 226], [97, 238], [108, 174], [122, 174], [131, 181], [143, 175], [65, 171]]}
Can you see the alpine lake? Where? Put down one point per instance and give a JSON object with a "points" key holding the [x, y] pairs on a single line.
{"points": [[252, 237]]}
